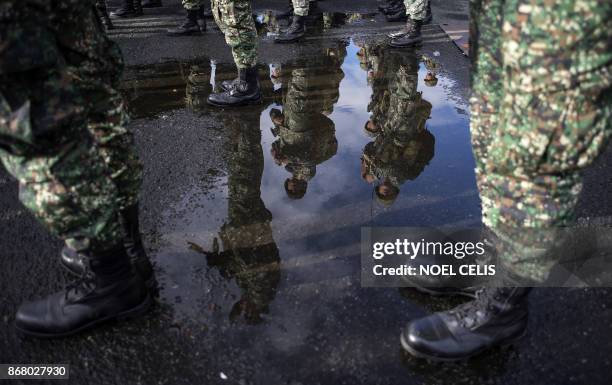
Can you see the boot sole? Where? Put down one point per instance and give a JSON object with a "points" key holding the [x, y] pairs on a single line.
{"points": [[134, 312], [245, 103], [508, 341]]}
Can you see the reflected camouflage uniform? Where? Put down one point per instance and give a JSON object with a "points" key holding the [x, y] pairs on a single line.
{"points": [[300, 7], [62, 121], [308, 137], [540, 113], [250, 254], [416, 9], [432, 66], [376, 65], [235, 19], [404, 147]]}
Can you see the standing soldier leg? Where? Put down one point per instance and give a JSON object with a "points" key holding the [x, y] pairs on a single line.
{"points": [[130, 8], [416, 11], [152, 4], [64, 181], [98, 66], [531, 140], [194, 23], [235, 19], [297, 29], [103, 13]]}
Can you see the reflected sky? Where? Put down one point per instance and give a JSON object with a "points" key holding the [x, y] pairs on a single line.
{"points": [[307, 279]]}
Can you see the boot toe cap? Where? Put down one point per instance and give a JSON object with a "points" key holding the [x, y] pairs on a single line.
{"points": [[430, 337], [37, 317]]}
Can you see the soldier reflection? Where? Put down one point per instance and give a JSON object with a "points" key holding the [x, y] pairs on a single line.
{"points": [[402, 145], [249, 253], [306, 136]]}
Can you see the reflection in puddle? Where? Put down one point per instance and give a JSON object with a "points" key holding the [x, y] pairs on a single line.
{"points": [[350, 135]]}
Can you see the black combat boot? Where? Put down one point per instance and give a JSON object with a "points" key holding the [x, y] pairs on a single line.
{"points": [[402, 31], [394, 8], [74, 261], [386, 4], [296, 31], [104, 17], [152, 4], [206, 11], [411, 38], [286, 12], [244, 90], [108, 290], [428, 15], [130, 8], [189, 27], [497, 316], [202, 19], [137, 7]]}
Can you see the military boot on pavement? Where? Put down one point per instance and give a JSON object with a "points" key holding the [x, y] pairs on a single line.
{"points": [[244, 90], [411, 38], [296, 31], [286, 12], [191, 26], [103, 13], [496, 317], [428, 15], [202, 19], [75, 261], [108, 290], [395, 7], [130, 8], [407, 28]]}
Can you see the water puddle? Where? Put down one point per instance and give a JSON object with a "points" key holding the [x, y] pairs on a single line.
{"points": [[352, 135]]}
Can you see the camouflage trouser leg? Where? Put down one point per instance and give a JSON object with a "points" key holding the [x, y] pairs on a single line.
{"points": [[416, 9], [300, 7], [49, 148], [98, 78], [192, 4], [235, 19], [62, 177], [541, 112]]}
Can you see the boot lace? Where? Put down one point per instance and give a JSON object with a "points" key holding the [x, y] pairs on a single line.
{"points": [[84, 284], [468, 313]]}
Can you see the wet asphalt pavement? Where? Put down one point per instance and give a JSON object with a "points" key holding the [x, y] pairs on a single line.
{"points": [[259, 287]]}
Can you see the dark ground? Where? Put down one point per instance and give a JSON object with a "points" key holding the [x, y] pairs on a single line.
{"points": [[321, 327]]}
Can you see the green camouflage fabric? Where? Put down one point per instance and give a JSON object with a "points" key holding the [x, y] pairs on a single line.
{"points": [[191, 5], [250, 254], [416, 9], [235, 19], [300, 7], [403, 147], [540, 113], [62, 120], [372, 59]]}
